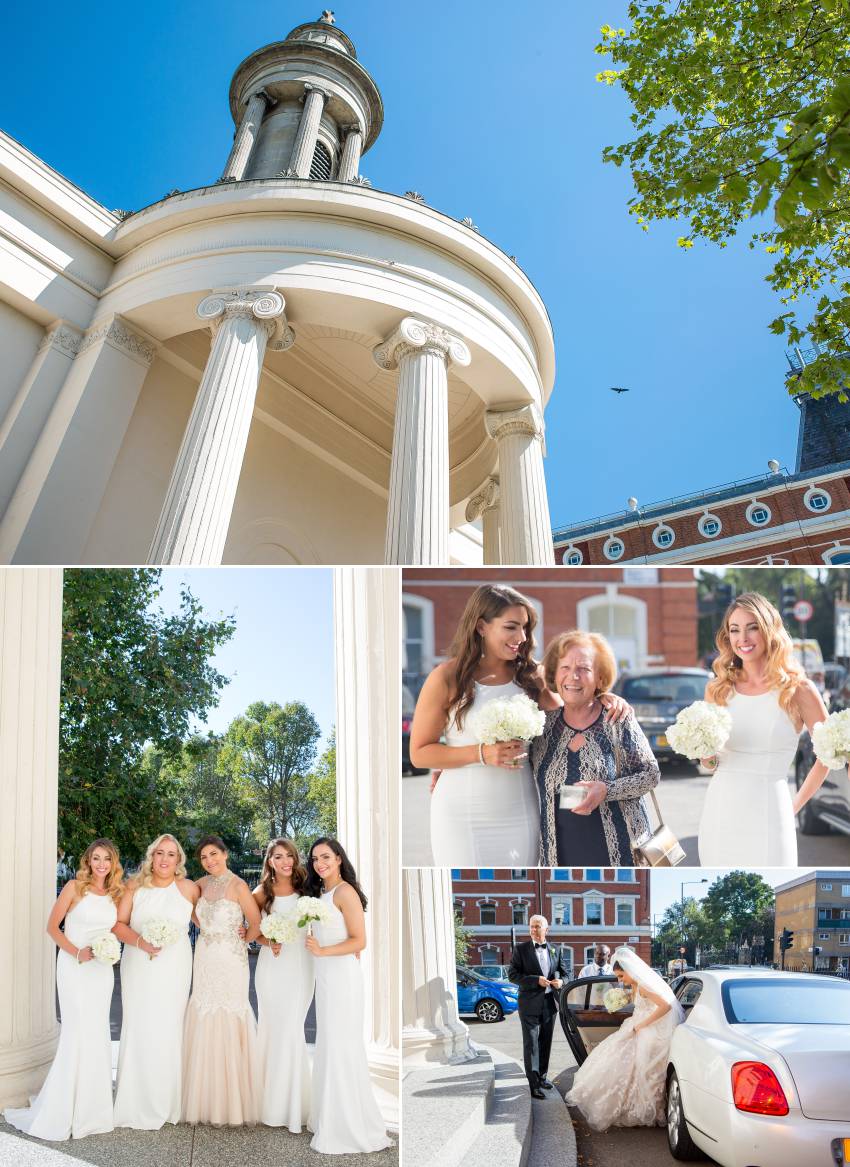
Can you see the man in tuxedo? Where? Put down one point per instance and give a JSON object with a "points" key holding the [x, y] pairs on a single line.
{"points": [[538, 969]]}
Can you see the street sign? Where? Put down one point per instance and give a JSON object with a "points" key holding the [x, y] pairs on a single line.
{"points": [[803, 611], [634, 940]]}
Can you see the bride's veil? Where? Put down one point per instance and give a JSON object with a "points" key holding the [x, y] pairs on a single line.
{"points": [[647, 978]]}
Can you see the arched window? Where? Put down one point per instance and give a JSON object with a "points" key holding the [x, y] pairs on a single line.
{"points": [[322, 164]]}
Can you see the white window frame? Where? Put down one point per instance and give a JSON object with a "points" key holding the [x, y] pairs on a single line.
{"points": [[844, 939], [606, 548], [487, 924], [839, 549], [660, 530], [596, 898], [519, 904], [845, 889], [426, 608], [621, 903], [823, 936], [709, 517], [605, 600], [482, 948], [756, 503], [826, 887], [572, 550], [811, 493], [565, 902]]}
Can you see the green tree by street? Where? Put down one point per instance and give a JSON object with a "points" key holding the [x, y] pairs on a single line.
{"points": [[131, 675], [738, 907], [272, 749], [742, 107], [321, 790], [463, 938]]}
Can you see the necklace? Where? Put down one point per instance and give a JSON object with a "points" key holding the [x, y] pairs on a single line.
{"points": [[218, 880]]}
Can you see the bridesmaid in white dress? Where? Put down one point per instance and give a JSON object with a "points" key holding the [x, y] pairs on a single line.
{"points": [[154, 989], [284, 980], [220, 1069], [484, 809], [344, 1115], [76, 1098], [748, 814]]}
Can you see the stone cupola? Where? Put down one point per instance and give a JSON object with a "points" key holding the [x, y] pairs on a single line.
{"points": [[304, 107]]}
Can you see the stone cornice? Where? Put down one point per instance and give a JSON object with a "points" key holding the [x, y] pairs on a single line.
{"points": [[120, 335], [64, 338], [413, 335]]}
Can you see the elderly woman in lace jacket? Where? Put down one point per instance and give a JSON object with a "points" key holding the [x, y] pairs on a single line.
{"points": [[608, 764]]}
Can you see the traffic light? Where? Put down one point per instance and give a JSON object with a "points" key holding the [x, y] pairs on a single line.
{"points": [[788, 598], [786, 940]]}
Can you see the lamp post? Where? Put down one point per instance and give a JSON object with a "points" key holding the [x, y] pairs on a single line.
{"points": [[683, 885]]}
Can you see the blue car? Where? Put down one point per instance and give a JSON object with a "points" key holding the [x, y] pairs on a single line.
{"points": [[488, 1000]]}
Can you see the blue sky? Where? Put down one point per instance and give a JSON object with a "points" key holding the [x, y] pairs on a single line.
{"points": [[282, 649], [666, 886], [492, 111]]}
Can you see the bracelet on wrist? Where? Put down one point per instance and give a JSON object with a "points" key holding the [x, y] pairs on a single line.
{"points": [[481, 753]]}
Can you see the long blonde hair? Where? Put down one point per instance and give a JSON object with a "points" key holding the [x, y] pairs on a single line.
{"points": [[146, 870], [783, 672], [114, 886]]}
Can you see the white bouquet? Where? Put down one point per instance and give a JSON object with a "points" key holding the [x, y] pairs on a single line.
{"points": [[506, 719], [615, 999], [279, 929], [309, 911], [106, 948], [701, 730], [160, 932], [831, 740]]}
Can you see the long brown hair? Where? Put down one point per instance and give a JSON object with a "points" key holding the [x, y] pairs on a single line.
{"points": [[486, 603], [114, 886], [783, 672], [299, 871]]}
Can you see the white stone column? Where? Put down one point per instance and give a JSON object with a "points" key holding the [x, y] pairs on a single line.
{"points": [[432, 1030], [304, 145], [485, 504], [349, 162], [246, 135], [418, 506], [30, 655], [526, 532], [195, 516], [368, 711], [33, 402]]}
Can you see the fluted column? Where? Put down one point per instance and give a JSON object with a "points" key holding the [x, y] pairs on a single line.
{"points": [[526, 532], [195, 516], [367, 644], [432, 1030], [349, 162], [246, 135], [485, 505], [304, 145], [30, 655], [418, 506]]}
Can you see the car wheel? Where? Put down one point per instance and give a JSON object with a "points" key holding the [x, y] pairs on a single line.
{"points": [[808, 819], [679, 1139], [489, 1010]]}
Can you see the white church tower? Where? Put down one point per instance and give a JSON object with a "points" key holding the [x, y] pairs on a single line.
{"points": [[286, 365]]}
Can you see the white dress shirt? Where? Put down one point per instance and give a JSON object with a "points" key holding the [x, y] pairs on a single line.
{"points": [[542, 955], [595, 970]]}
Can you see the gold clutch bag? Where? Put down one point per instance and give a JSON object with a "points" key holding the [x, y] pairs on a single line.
{"points": [[661, 848]]}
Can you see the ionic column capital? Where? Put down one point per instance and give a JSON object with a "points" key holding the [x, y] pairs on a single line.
{"points": [[309, 88], [352, 128], [420, 335], [484, 499], [264, 94], [527, 421], [263, 305]]}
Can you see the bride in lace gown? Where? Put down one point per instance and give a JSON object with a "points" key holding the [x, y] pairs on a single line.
{"points": [[748, 813], [220, 1067], [623, 1081]]}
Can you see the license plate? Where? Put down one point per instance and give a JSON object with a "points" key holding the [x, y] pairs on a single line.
{"points": [[660, 741]]}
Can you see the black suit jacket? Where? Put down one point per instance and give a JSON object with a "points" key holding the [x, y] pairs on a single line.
{"points": [[525, 971]]}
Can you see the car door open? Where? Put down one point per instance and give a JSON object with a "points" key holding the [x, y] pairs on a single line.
{"points": [[584, 1018]]}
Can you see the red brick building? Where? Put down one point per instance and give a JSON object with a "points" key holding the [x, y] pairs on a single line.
{"points": [[584, 906], [777, 518], [648, 614]]}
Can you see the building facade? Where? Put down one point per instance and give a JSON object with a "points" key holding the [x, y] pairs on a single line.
{"points": [[584, 907], [782, 517], [648, 615], [281, 365], [816, 908]]}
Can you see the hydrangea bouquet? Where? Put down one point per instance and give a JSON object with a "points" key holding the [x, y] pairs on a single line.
{"points": [[506, 719], [278, 928], [160, 932], [106, 948], [616, 998], [309, 911], [701, 730], [831, 740]]}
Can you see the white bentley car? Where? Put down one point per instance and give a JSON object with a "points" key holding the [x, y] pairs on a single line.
{"points": [[759, 1072]]}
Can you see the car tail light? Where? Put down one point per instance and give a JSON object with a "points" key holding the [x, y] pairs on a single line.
{"points": [[755, 1088]]}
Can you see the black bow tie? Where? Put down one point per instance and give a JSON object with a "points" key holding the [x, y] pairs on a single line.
{"points": [[541, 945]]}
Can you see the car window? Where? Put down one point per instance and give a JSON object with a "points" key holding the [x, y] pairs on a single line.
{"points": [[664, 687], [688, 993], [817, 1001]]}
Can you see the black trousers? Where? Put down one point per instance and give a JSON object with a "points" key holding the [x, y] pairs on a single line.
{"points": [[537, 1029]]}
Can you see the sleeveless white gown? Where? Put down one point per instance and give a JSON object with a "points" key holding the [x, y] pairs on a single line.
{"points": [[344, 1115], [284, 985], [747, 817], [484, 815], [623, 1081], [154, 995], [76, 1098]]}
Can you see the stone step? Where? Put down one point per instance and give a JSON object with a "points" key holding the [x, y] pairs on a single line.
{"points": [[506, 1137], [445, 1108]]}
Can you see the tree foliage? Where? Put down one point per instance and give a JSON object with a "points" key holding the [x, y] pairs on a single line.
{"points": [[463, 938], [742, 107], [737, 910], [131, 675]]}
